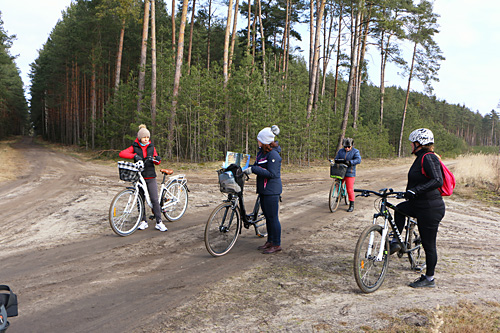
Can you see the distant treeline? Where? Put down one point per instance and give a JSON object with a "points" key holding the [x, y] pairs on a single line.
{"points": [[95, 81]]}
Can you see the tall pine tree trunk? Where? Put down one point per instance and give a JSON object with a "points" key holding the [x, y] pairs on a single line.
{"points": [[153, 66], [142, 65], [119, 57], [208, 32], [263, 40], [191, 37], [406, 100], [233, 35], [177, 79]]}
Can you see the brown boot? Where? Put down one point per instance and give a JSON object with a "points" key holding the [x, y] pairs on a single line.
{"points": [[265, 246], [272, 249]]}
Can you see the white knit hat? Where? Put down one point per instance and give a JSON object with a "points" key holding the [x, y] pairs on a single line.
{"points": [[143, 132], [266, 136]]}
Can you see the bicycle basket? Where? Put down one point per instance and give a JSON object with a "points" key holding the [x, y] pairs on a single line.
{"points": [[227, 182], [338, 170], [128, 171]]}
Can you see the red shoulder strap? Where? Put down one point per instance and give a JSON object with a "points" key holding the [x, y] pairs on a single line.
{"points": [[422, 164]]}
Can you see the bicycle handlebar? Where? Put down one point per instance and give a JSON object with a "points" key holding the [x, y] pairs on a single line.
{"points": [[384, 193]]}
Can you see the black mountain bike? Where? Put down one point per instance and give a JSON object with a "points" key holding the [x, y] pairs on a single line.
{"points": [[226, 221], [371, 257]]}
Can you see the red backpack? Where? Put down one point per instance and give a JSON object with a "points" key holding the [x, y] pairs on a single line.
{"points": [[448, 178]]}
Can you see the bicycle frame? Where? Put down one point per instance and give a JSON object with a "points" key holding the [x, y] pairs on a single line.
{"points": [[388, 220]]}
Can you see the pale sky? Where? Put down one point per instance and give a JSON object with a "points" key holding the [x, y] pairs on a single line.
{"points": [[469, 38]]}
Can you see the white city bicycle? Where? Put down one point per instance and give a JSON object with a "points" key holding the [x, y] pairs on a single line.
{"points": [[127, 207]]}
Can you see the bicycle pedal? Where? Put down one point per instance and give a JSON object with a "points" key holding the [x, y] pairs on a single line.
{"points": [[246, 225], [151, 217]]}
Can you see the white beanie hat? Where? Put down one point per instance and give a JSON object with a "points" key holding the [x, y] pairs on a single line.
{"points": [[143, 132], [266, 136]]}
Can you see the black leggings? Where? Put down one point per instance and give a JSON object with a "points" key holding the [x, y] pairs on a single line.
{"points": [[428, 214]]}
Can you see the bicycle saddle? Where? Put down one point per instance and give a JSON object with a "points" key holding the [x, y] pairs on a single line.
{"points": [[167, 171]]}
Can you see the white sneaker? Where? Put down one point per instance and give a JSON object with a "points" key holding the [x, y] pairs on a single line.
{"points": [[143, 225], [160, 226]]}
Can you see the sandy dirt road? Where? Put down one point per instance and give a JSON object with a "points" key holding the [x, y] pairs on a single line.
{"points": [[73, 274]]}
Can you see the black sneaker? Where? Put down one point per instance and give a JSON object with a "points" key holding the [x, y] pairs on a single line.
{"points": [[422, 282], [395, 247]]}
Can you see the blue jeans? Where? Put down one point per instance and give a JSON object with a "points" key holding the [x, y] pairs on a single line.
{"points": [[270, 208]]}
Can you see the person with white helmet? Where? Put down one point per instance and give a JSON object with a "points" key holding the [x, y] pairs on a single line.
{"points": [[424, 201], [267, 167], [351, 157]]}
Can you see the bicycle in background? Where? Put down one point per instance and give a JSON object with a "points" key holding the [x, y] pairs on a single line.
{"points": [[227, 220], [338, 191], [371, 256], [127, 207]]}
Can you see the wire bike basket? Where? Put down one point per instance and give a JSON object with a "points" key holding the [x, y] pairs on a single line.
{"points": [[128, 171]]}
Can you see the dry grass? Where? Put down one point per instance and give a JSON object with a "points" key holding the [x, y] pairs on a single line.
{"points": [[465, 317], [11, 161], [478, 177], [477, 170]]}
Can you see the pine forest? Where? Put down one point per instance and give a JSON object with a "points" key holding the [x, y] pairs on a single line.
{"points": [[207, 76]]}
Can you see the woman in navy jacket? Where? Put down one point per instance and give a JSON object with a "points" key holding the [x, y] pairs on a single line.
{"points": [[267, 167]]}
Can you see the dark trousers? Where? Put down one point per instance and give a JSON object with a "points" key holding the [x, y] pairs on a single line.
{"points": [[153, 195], [428, 214], [270, 208]]}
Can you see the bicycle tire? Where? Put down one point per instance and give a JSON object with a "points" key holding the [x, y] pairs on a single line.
{"points": [[222, 229], [344, 194], [124, 213], [259, 221], [174, 200], [333, 199], [417, 255], [368, 272]]}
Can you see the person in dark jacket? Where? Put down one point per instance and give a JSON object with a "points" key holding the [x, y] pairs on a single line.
{"points": [[424, 201], [350, 156], [267, 167], [143, 149]]}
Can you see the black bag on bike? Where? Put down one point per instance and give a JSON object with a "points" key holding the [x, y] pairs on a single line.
{"points": [[231, 179], [338, 170], [8, 300]]}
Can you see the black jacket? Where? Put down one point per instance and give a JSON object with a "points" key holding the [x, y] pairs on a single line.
{"points": [[425, 187]]}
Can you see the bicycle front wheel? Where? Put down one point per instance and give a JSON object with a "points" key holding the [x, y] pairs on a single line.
{"points": [[125, 212], [334, 199], [369, 271], [222, 229], [344, 194], [174, 201]]}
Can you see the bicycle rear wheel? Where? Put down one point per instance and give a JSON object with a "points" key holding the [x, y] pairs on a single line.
{"points": [[368, 271], [125, 212], [416, 255], [174, 200], [334, 199], [259, 221], [222, 229]]}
